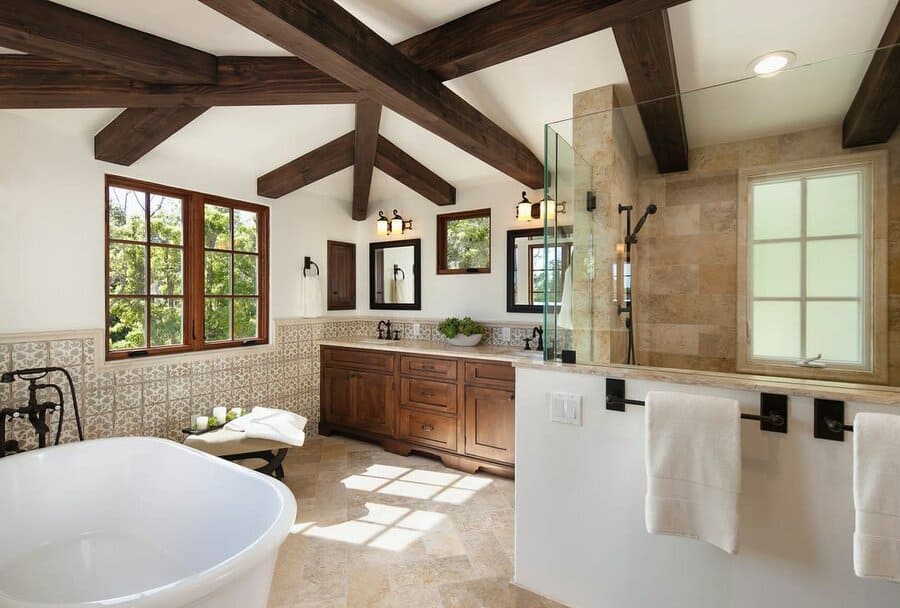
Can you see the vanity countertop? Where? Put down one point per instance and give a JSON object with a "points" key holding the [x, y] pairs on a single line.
{"points": [[438, 349]]}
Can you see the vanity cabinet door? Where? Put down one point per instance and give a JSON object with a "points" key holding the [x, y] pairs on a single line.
{"points": [[374, 400], [491, 423], [337, 395]]}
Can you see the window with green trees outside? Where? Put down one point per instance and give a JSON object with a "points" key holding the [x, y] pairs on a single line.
{"points": [[185, 270]]}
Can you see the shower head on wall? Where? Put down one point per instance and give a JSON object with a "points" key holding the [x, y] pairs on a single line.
{"points": [[632, 237]]}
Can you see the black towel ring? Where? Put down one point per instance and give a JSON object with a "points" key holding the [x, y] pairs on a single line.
{"points": [[307, 263], [400, 270]]}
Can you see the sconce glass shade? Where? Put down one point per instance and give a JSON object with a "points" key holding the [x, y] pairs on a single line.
{"points": [[396, 223], [382, 227], [523, 211]]}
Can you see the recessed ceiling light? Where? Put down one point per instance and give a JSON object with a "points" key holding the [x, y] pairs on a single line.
{"points": [[772, 63]]}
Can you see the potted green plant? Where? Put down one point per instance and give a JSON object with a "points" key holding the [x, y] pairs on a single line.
{"points": [[461, 332]]}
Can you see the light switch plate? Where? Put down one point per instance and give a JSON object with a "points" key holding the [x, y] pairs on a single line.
{"points": [[506, 334], [417, 329], [565, 408]]}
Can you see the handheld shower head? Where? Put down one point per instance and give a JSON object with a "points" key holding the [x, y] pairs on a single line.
{"points": [[632, 238]]}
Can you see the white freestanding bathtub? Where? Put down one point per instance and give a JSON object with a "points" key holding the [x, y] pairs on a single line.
{"points": [[137, 522]]}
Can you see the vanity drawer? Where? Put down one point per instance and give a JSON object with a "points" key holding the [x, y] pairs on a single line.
{"points": [[357, 359], [485, 373], [428, 394], [445, 369], [428, 429]]}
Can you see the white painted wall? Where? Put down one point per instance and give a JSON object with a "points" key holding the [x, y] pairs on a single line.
{"points": [[51, 220], [580, 535]]}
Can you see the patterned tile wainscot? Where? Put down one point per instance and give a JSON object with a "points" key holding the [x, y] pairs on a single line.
{"points": [[158, 396]]}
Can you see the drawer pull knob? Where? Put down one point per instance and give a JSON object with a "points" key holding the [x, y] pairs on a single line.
{"points": [[428, 367], [427, 394], [427, 428], [512, 396]]}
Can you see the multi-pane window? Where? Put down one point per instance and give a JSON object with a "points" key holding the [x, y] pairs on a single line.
{"points": [[464, 242], [809, 285], [549, 283], [185, 271]]}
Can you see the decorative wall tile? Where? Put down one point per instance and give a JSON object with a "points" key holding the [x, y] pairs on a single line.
{"points": [[156, 420], [128, 376], [155, 392], [127, 423], [179, 387], [154, 373], [5, 357], [96, 380], [98, 427], [64, 353], [128, 397], [240, 376], [179, 370], [27, 355], [97, 401], [201, 384]]}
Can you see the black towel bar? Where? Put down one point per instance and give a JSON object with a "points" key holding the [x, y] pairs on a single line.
{"points": [[773, 408]]}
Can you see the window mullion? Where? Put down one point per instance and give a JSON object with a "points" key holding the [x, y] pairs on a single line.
{"points": [[803, 353], [147, 271]]}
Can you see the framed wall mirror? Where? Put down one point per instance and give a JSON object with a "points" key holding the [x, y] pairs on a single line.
{"points": [[526, 283], [395, 281]]}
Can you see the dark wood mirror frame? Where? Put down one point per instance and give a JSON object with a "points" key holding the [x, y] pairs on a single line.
{"points": [[417, 274], [511, 236]]}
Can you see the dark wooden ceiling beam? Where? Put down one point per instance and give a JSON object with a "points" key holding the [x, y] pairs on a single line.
{"points": [[32, 82], [368, 117], [875, 111], [54, 31], [512, 28], [313, 166], [645, 44], [333, 40], [136, 131], [413, 174]]}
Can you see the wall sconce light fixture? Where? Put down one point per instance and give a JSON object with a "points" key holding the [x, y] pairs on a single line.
{"points": [[527, 211], [396, 225]]}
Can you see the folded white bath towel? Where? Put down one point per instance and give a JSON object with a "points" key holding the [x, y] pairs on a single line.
{"points": [[271, 424], [876, 496], [693, 447]]}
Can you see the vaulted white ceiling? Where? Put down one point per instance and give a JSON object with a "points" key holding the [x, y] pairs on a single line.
{"points": [[714, 40]]}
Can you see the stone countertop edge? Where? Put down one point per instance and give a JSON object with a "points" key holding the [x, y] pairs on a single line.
{"points": [[433, 348], [840, 391]]}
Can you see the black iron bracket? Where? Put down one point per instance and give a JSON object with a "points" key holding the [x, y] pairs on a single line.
{"points": [[308, 263], [773, 408], [828, 420]]}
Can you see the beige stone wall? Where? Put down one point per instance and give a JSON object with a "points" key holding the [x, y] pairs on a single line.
{"points": [[686, 259], [601, 137]]}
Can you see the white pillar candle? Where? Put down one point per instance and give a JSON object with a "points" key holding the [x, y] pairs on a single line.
{"points": [[202, 422], [219, 414], [194, 421], [237, 411]]}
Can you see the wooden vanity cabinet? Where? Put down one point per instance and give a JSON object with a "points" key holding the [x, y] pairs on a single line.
{"points": [[461, 410]]}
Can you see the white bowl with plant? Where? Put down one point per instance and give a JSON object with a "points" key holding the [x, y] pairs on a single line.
{"points": [[461, 332]]}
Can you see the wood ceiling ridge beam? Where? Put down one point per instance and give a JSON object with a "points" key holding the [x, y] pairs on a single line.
{"points": [[336, 42], [874, 114], [645, 45], [58, 32]]}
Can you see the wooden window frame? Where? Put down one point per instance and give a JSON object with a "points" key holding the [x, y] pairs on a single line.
{"points": [[442, 221], [875, 255], [193, 270], [564, 261]]}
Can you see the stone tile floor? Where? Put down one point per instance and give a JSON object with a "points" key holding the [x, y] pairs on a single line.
{"points": [[376, 529]]}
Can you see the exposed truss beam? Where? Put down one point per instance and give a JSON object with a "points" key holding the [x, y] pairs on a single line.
{"points": [[136, 131], [54, 31], [313, 166], [512, 28], [875, 112], [645, 44], [336, 42], [31, 82], [413, 174], [368, 117]]}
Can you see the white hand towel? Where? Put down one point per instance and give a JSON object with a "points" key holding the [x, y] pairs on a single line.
{"points": [[693, 447], [271, 424], [310, 296], [876, 496], [564, 318]]}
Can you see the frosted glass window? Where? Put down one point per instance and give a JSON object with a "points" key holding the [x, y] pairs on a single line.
{"points": [[833, 268], [777, 209], [832, 205], [776, 270], [807, 243], [776, 329], [833, 329]]}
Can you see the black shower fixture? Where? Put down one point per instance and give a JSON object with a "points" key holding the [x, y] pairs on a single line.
{"points": [[631, 236]]}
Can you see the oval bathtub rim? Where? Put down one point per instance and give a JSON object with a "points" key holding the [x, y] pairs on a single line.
{"points": [[201, 584]]}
